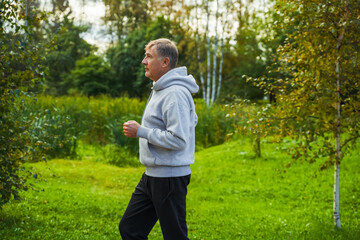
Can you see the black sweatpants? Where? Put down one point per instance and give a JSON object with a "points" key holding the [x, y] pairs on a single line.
{"points": [[156, 198]]}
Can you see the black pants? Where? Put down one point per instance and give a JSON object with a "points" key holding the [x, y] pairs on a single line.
{"points": [[156, 198]]}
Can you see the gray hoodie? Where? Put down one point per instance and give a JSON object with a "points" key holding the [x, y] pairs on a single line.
{"points": [[167, 131]]}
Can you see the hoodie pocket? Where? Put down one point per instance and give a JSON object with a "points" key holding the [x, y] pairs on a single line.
{"points": [[146, 157], [162, 156]]}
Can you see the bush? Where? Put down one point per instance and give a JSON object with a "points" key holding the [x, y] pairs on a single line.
{"points": [[20, 74], [213, 126], [96, 120], [55, 134]]}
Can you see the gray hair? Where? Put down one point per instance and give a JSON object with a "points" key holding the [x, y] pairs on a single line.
{"points": [[165, 48]]}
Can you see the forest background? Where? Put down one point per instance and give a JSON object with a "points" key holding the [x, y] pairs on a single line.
{"points": [[280, 72]]}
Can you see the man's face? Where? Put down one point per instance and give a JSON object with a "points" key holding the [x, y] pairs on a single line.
{"points": [[153, 64]]}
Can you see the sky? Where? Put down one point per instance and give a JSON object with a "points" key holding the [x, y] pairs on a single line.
{"points": [[91, 15]]}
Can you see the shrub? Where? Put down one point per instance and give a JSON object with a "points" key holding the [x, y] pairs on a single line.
{"points": [[213, 126], [20, 74]]}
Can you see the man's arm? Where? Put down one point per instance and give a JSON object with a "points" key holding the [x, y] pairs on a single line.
{"points": [[174, 137]]}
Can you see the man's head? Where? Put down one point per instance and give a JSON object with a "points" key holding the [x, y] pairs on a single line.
{"points": [[161, 56]]}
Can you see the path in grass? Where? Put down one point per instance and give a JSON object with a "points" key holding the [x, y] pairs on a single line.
{"points": [[232, 195]]}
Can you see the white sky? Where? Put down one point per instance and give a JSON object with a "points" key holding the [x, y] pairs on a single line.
{"points": [[90, 14]]}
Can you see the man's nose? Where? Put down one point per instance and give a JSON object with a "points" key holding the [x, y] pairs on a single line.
{"points": [[144, 61]]}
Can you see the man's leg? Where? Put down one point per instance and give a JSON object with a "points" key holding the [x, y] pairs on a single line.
{"points": [[169, 198], [140, 216]]}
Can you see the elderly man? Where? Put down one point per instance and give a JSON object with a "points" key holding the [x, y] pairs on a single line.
{"points": [[167, 146]]}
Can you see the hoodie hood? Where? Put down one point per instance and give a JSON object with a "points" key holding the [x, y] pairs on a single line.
{"points": [[177, 76]]}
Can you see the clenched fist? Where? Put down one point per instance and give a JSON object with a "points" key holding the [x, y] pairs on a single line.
{"points": [[130, 128]]}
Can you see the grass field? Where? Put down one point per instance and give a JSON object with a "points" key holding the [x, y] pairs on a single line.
{"points": [[232, 195]]}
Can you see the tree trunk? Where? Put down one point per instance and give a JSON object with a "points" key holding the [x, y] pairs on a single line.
{"points": [[338, 148], [220, 67], [257, 145], [200, 70], [208, 55], [338, 154], [337, 221], [213, 95]]}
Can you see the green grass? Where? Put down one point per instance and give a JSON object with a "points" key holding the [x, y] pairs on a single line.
{"points": [[232, 195]]}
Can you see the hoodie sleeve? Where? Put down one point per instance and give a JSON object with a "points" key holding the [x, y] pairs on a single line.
{"points": [[176, 117]]}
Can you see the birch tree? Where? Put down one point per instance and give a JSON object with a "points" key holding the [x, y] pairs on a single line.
{"points": [[214, 47], [208, 63], [318, 99], [213, 88]]}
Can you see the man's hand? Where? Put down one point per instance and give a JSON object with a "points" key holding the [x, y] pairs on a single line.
{"points": [[130, 128]]}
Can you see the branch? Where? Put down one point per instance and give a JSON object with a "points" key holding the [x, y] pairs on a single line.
{"points": [[351, 139]]}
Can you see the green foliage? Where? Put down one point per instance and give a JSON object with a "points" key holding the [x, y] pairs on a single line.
{"points": [[125, 17], [60, 60], [125, 59], [21, 75], [244, 60], [213, 126], [305, 79], [100, 120], [131, 24], [252, 120], [54, 134], [160, 28], [96, 120], [92, 76], [317, 82], [232, 195]]}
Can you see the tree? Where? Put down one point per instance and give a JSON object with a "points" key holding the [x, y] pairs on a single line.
{"points": [[125, 60], [211, 75], [92, 76], [68, 48], [225, 55], [247, 59], [318, 99], [125, 16], [21, 74]]}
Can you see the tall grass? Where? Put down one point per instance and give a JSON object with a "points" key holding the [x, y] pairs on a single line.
{"points": [[99, 120]]}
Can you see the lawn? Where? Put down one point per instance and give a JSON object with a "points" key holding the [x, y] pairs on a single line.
{"points": [[232, 195]]}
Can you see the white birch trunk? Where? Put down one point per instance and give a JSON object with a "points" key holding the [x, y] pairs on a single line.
{"points": [[220, 67], [198, 55], [200, 70], [208, 55], [338, 155], [337, 221], [213, 92]]}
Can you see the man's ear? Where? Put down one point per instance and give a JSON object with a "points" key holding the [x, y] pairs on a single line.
{"points": [[165, 62]]}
